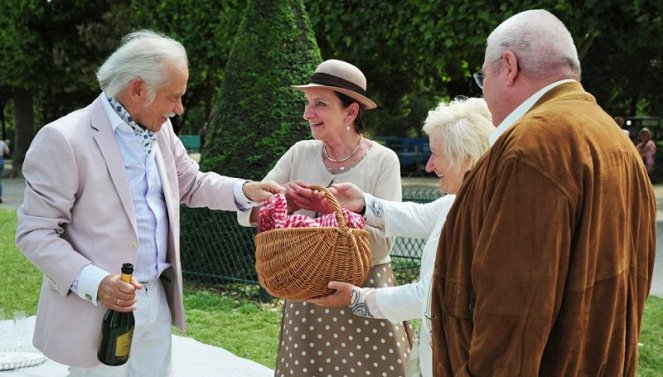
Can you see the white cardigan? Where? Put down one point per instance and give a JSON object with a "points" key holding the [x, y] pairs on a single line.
{"points": [[410, 301]]}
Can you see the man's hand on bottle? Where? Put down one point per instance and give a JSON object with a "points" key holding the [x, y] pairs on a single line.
{"points": [[117, 294]]}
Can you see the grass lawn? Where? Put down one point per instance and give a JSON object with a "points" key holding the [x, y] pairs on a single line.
{"points": [[240, 325], [236, 322]]}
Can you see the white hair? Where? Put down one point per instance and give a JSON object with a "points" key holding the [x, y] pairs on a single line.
{"points": [[464, 125], [143, 54], [541, 42]]}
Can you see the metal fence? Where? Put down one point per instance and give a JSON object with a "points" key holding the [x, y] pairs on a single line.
{"points": [[217, 250]]}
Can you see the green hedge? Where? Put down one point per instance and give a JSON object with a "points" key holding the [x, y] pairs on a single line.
{"points": [[258, 115], [215, 249]]}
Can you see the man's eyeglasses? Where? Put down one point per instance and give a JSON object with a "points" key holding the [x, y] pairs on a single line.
{"points": [[480, 76]]}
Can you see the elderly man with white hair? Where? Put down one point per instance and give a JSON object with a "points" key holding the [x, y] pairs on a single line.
{"points": [[103, 187], [545, 262]]}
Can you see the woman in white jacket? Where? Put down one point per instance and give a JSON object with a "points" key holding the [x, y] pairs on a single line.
{"points": [[458, 136]]}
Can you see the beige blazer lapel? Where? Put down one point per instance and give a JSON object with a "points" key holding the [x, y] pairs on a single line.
{"points": [[168, 184], [107, 144], [170, 197], [172, 277]]}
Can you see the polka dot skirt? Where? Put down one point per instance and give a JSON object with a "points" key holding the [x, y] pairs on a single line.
{"points": [[325, 341]]}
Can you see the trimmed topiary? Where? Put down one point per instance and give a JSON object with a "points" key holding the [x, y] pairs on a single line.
{"points": [[258, 116], [256, 119]]}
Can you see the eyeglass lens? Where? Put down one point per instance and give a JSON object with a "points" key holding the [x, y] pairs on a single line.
{"points": [[478, 78]]}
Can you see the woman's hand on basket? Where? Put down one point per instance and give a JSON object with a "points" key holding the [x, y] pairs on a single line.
{"points": [[300, 196], [341, 296], [349, 196]]}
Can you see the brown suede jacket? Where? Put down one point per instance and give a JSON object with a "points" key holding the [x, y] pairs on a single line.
{"points": [[546, 258]]}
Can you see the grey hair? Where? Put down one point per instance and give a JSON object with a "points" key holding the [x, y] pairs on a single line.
{"points": [[541, 42], [464, 125], [143, 54]]}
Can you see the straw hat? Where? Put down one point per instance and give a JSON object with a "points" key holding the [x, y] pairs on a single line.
{"points": [[342, 77]]}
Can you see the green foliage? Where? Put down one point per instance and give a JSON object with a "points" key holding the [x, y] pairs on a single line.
{"points": [[242, 327], [258, 116], [20, 280], [214, 245], [21, 49], [413, 53], [624, 66], [428, 50], [207, 30], [651, 339], [78, 37], [53, 49]]}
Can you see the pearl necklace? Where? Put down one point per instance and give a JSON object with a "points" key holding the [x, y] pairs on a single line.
{"points": [[324, 150]]}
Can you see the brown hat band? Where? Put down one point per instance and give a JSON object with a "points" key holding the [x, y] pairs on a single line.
{"points": [[331, 80]]}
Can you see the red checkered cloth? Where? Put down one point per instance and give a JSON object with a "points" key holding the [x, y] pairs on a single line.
{"points": [[274, 215]]}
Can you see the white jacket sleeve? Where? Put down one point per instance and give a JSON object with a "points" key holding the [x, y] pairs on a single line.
{"points": [[406, 219], [405, 302]]}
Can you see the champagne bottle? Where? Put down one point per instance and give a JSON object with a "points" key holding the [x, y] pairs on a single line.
{"points": [[117, 330]]}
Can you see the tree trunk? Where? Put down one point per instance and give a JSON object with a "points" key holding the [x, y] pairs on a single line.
{"points": [[24, 116]]}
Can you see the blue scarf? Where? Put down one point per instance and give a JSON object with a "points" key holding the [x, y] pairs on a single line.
{"points": [[148, 137]]}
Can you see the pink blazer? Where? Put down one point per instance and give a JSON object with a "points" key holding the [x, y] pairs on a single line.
{"points": [[78, 210]]}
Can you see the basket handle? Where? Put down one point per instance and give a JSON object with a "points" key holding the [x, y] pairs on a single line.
{"points": [[340, 218]]}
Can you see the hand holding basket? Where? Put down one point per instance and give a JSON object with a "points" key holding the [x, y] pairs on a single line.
{"points": [[298, 263]]}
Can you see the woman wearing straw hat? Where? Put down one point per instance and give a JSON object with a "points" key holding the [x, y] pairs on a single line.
{"points": [[331, 341], [458, 136]]}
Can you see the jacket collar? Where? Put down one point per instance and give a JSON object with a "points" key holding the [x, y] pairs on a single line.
{"points": [[522, 109]]}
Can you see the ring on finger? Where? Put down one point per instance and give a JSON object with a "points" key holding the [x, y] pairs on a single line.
{"points": [[118, 302]]}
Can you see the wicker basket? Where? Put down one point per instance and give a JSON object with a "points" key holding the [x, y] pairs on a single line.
{"points": [[297, 263]]}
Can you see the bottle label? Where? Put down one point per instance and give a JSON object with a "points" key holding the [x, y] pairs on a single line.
{"points": [[123, 344]]}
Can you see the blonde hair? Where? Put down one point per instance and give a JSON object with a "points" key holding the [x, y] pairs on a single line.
{"points": [[463, 126]]}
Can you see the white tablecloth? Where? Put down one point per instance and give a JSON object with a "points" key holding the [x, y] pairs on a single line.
{"points": [[191, 358]]}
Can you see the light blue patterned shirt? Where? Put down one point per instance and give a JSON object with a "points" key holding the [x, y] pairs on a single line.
{"points": [[149, 202], [149, 205]]}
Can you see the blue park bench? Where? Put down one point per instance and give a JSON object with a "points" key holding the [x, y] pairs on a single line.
{"points": [[191, 142]]}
